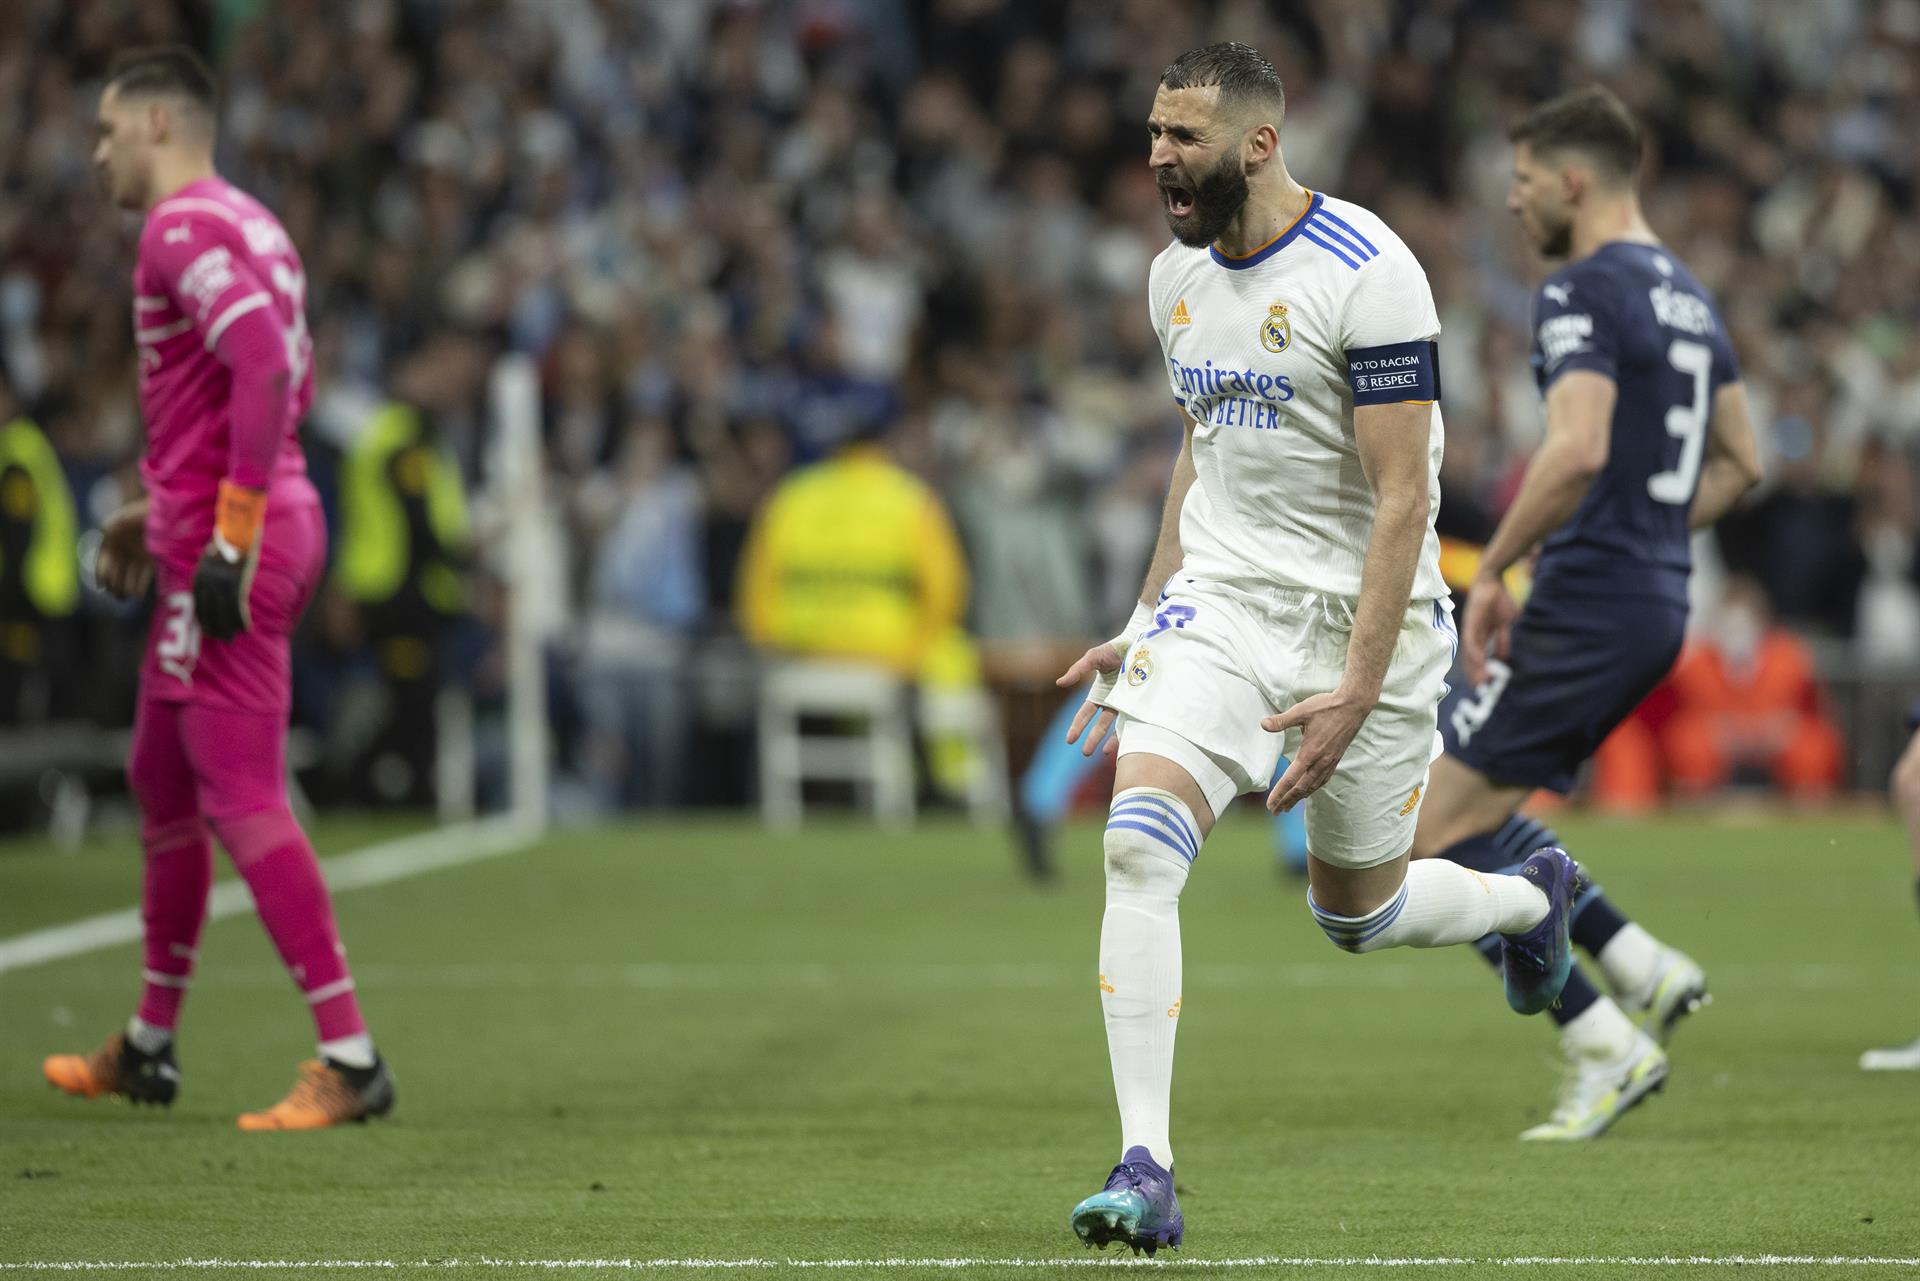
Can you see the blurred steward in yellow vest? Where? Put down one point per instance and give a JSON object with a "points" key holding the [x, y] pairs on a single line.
{"points": [[401, 558], [39, 570], [855, 558]]}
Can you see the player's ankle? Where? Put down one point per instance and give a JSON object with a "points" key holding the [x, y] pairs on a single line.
{"points": [[353, 1052], [148, 1038]]}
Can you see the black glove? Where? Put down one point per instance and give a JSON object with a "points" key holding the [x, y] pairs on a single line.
{"points": [[220, 588], [224, 577]]}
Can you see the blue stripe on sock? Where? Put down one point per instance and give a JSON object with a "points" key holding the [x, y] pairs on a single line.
{"points": [[1364, 927], [1399, 905], [1147, 823], [1349, 932], [1161, 803], [1154, 807], [1156, 833], [1158, 814]]}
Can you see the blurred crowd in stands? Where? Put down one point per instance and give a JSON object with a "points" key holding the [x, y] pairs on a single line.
{"points": [[737, 235]]}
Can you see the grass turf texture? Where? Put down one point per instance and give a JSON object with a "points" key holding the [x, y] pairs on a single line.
{"points": [[699, 1040]]}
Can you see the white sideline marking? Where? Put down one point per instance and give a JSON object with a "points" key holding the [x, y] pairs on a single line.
{"points": [[960, 1264], [375, 865]]}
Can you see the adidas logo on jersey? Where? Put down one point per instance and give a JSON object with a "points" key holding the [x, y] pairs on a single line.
{"points": [[1412, 800], [1180, 316]]}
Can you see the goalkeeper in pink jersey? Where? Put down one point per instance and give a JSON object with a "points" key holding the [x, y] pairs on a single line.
{"points": [[231, 534]]}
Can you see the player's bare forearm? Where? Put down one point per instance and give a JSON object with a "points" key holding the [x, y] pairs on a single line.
{"points": [[1392, 441], [1386, 585], [1722, 483], [1732, 465], [1579, 418], [1167, 555]]}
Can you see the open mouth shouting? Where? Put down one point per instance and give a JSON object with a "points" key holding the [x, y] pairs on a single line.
{"points": [[1179, 199], [1199, 208]]}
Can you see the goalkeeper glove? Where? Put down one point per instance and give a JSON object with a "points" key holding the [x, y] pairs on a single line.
{"points": [[224, 576]]}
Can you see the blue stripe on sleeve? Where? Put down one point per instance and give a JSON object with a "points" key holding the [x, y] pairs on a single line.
{"points": [[1345, 226], [1330, 247]]}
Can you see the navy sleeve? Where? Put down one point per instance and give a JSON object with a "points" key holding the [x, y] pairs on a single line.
{"points": [[1576, 325]]}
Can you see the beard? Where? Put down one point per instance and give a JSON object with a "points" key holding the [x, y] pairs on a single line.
{"points": [[1555, 240], [1210, 205]]}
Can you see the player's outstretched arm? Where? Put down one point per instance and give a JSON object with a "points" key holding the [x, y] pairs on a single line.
{"points": [[1392, 443], [1579, 422], [1102, 662], [1732, 464]]}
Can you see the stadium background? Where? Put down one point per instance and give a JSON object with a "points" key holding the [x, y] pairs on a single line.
{"points": [[726, 234], [731, 235]]}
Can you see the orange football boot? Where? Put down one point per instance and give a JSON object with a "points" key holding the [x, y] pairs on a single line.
{"points": [[116, 1068], [325, 1094]]}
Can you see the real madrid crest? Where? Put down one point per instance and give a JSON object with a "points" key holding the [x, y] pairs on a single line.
{"points": [[1275, 332], [1139, 665]]}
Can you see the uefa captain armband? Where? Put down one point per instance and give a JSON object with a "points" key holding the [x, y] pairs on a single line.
{"points": [[1397, 372]]}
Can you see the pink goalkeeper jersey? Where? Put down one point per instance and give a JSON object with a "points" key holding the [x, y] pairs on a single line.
{"points": [[213, 265]]}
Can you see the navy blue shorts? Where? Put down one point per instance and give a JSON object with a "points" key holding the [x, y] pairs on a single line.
{"points": [[1577, 667]]}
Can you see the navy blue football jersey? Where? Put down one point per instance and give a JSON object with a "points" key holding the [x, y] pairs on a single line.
{"points": [[1632, 312]]}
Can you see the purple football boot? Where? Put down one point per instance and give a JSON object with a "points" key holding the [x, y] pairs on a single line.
{"points": [[1536, 962], [1137, 1207]]}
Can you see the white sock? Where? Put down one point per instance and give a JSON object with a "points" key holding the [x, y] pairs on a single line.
{"points": [[1440, 903], [1151, 839], [1630, 959], [147, 1038], [1601, 1031], [350, 1051]]}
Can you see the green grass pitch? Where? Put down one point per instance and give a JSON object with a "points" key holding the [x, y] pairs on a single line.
{"points": [[695, 1040]]}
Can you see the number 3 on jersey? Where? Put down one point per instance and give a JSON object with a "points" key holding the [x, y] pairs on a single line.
{"points": [[178, 647], [1688, 422]]}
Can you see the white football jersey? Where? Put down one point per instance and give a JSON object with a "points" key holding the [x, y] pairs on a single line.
{"points": [[1267, 354]]}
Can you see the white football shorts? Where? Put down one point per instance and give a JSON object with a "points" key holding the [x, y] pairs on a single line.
{"points": [[1218, 658]]}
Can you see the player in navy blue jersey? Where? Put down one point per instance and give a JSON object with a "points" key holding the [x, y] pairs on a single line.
{"points": [[1647, 439]]}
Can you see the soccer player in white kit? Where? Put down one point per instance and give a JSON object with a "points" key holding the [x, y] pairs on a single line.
{"points": [[1294, 603]]}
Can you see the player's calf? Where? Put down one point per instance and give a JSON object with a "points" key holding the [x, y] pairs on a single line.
{"points": [[1437, 904], [1150, 841]]}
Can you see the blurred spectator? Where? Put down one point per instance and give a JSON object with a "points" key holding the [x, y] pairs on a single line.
{"points": [[1799, 539], [1746, 701], [647, 595]]}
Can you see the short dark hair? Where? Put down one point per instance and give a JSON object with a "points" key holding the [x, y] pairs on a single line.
{"points": [[1243, 74], [1591, 121], [173, 69]]}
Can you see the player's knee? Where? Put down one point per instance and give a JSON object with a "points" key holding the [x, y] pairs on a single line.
{"points": [[249, 837], [1137, 864], [163, 835], [1151, 840]]}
